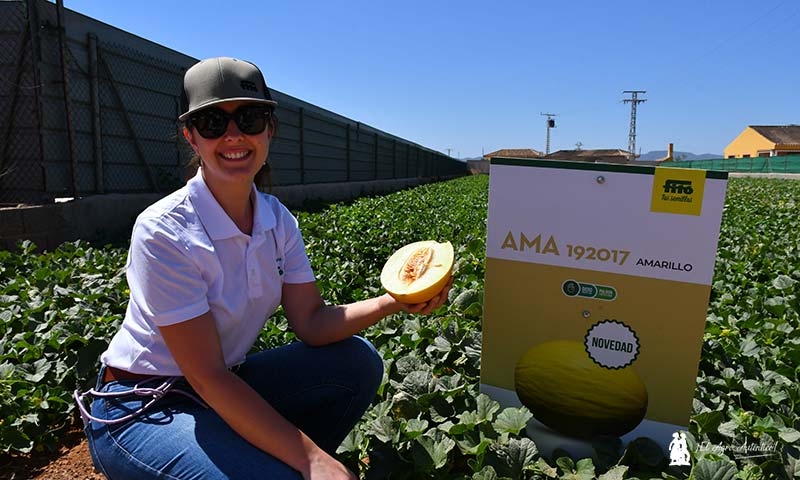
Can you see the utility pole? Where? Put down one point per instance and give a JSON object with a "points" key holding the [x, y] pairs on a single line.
{"points": [[550, 124], [634, 100], [448, 151]]}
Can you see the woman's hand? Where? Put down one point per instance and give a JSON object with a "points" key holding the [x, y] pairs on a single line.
{"points": [[425, 308], [325, 467]]}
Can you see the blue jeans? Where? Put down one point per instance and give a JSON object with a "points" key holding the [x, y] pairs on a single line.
{"points": [[323, 391]]}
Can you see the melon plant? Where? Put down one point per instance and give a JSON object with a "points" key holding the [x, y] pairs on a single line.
{"points": [[59, 309]]}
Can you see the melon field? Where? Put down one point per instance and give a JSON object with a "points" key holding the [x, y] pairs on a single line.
{"points": [[59, 309]]}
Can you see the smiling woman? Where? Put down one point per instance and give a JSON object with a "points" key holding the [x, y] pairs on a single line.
{"points": [[177, 394]]}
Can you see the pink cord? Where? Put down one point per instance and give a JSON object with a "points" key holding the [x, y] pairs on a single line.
{"points": [[158, 392]]}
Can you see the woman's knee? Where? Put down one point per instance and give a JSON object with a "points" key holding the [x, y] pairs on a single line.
{"points": [[369, 360]]}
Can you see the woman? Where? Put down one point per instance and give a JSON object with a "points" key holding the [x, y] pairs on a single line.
{"points": [[206, 267]]}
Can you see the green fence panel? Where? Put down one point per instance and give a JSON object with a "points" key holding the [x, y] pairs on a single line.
{"points": [[780, 164]]}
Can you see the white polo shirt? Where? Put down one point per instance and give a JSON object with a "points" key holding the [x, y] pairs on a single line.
{"points": [[187, 257]]}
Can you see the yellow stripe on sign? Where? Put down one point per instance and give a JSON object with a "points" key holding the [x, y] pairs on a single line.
{"points": [[678, 190]]}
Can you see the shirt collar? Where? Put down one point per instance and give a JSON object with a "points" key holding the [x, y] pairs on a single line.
{"points": [[216, 222]]}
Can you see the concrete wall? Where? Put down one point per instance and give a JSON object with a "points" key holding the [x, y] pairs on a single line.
{"points": [[103, 218]]}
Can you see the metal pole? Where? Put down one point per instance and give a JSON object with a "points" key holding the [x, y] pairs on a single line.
{"points": [[375, 166], [348, 151], [408, 158], [302, 150], [548, 122], [94, 90], [634, 100], [62, 42]]}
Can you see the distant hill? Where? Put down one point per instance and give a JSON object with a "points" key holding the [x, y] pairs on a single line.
{"points": [[656, 154]]}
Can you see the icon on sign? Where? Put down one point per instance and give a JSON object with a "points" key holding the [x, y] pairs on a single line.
{"points": [[571, 288]]}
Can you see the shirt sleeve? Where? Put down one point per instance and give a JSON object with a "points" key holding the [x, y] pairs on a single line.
{"points": [[296, 267], [166, 286]]}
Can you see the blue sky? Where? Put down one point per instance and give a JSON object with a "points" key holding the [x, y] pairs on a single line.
{"points": [[475, 76]]}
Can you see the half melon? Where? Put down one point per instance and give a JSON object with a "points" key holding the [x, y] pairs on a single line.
{"points": [[418, 271]]}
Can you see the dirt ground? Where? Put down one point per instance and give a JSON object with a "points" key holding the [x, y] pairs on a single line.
{"points": [[71, 462]]}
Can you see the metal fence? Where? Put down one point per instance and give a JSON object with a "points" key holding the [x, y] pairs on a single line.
{"points": [[778, 164], [89, 109]]}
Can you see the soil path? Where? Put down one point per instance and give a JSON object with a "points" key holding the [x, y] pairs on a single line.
{"points": [[71, 462]]}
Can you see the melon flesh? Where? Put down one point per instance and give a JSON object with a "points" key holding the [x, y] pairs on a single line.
{"points": [[418, 271]]}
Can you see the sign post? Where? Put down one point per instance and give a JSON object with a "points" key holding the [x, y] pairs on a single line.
{"points": [[598, 278]]}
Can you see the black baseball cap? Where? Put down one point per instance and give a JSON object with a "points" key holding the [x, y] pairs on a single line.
{"points": [[222, 79]]}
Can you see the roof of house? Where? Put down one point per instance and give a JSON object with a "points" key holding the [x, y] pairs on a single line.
{"points": [[515, 153], [612, 155], [780, 134]]}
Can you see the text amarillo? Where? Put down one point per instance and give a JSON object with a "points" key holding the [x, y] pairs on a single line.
{"points": [[548, 245]]}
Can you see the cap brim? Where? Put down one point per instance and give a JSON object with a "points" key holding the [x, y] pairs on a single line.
{"points": [[223, 100]]}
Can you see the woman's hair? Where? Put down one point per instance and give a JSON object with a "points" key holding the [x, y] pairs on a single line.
{"points": [[263, 175]]}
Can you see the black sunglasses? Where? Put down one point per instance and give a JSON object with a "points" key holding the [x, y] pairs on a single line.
{"points": [[212, 122]]}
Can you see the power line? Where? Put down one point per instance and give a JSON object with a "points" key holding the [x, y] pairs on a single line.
{"points": [[634, 100]]}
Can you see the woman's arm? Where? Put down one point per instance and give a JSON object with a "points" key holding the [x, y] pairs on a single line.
{"points": [[316, 323], [196, 348]]}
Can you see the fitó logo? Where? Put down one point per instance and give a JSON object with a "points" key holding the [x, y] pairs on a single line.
{"points": [[678, 187]]}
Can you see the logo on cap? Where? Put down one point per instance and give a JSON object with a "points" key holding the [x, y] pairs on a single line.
{"points": [[248, 85]]}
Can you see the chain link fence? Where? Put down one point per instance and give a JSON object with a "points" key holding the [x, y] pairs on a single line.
{"points": [[84, 109], [20, 145]]}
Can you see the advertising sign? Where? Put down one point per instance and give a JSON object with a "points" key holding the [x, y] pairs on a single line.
{"points": [[598, 278]]}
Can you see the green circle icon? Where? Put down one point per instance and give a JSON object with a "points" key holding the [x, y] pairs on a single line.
{"points": [[571, 288]]}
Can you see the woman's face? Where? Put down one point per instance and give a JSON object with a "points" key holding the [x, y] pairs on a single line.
{"points": [[235, 156]]}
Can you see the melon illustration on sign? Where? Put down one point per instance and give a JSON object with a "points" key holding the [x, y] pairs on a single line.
{"points": [[567, 391], [418, 271]]}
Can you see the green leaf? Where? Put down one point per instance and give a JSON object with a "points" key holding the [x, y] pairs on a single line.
{"points": [[565, 464], [512, 420], [486, 473], [510, 459], [775, 305], [714, 470], [541, 466], [415, 427], [728, 428], [789, 435], [783, 282], [750, 348], [708, 421], [584, 470], [792, 465], [473, 443], [35, 372], [383, 429], [466, 298], [616, 473], [353, 442], [486, 408], [437, 447]]}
